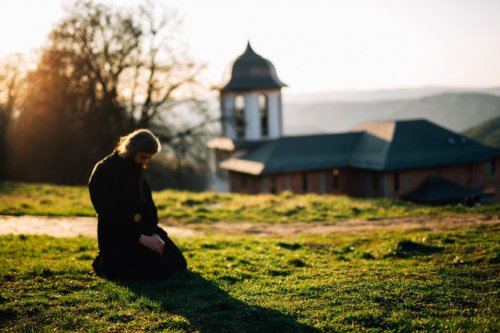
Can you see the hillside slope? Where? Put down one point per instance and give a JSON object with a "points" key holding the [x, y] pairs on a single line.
{"points": [[487, 132], [380, 95], [457, 112]]}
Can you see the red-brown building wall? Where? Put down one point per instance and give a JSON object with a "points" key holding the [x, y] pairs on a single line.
{"points": [[367, 183], [475, 175]]}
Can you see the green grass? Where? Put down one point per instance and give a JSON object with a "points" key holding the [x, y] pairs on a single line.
{"points": [[188, 207], [44, 199], [418, 281]]}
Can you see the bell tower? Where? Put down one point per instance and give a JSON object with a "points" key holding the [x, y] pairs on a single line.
{"points": [[251, 99]]}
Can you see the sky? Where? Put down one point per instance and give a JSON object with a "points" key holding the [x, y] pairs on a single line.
{"points": [[317, 45]]}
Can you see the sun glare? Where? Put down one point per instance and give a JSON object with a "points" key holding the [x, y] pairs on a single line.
{"points": [[317, 45]]}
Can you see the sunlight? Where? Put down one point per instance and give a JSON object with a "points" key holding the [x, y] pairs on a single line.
{"points": [[317, 45]]}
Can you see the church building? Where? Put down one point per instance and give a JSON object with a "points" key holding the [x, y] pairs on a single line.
{"points": [[415, 160]]}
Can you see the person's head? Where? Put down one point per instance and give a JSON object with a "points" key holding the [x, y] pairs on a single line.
{"points": [[141, 145]]}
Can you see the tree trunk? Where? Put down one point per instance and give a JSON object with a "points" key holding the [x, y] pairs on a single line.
{"points": [[3, 150]]}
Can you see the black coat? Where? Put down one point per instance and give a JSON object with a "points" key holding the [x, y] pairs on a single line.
{"points": [[122, 199]]}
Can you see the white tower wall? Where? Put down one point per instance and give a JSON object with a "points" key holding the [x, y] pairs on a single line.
{"points": [[274, 118], [228, 113], [252, 116], [253, 129]]}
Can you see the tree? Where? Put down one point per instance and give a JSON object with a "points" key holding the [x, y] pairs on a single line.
{"points": [[105, 72], [12, 71], [165, 84], [98, 45]]}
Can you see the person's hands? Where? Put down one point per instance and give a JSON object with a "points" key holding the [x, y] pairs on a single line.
{"points": [[154, 243], [158, 237], [161, 241]]}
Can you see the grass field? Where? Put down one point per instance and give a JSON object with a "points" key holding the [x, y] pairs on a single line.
{"points": [[421, 280], [383, 280], [188, 207]]}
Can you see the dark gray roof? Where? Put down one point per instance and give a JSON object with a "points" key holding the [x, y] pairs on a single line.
{"points": [[301, 152], [394, 145], [251, 71], [422, 143]]}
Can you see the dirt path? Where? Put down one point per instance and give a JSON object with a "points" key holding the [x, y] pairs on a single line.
{"points": [[63, 226], [352, 226], [86, 226]]}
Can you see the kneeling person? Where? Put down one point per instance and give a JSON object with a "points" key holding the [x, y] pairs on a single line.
{"points": [[131, 244]]}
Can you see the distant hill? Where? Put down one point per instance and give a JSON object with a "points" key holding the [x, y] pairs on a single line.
{"points": [[381, 94], [455, 111], [487, 132]]}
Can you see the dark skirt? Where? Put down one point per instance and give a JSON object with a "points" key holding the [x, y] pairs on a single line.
{"points": [[143, 264]]}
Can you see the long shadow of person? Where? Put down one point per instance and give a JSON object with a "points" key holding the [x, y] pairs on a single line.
{"points": [[209, 309]]}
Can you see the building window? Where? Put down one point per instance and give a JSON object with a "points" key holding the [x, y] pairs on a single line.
{"points": [[396, 182], [264, 115], [375, 184], [305, 187], [239, 116], [244, 183], [491, 168], [468, 176], [273, 188], [264, 185], [407, 182], [336, 180], [286, 182], [322, 182]]}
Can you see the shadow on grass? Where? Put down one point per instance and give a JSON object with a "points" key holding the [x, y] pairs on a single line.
{"points": [[210, 309], [408, 249]]}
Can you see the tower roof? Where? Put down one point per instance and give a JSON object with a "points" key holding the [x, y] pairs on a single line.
{"points": [[251, 71]]}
